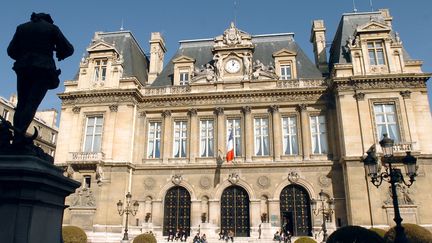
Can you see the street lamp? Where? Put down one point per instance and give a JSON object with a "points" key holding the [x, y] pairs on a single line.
{"points": [[128, 209], [326, 211], [392, 175]]}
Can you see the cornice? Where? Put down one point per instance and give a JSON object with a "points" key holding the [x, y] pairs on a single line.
{"points": [[101, 96]]}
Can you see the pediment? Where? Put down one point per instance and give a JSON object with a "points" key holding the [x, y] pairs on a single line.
{"points": [[101, 46], [373, 26], [284, 53], [183, 59]]}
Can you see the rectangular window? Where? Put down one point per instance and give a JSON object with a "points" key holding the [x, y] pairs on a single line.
{"points": [[180, 139], [289, 128], [154, 140], [386, 121], [93, 134], [184, 78], [207, 138], [318, 134], [5, 114], [261, 137], [234, 126], [376, 52], [87, 181], [285, 71], [100, 70]]}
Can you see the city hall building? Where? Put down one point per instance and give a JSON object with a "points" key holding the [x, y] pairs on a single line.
{"points": [[161, 130]]}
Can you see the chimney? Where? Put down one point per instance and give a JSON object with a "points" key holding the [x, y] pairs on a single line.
{"points": [[157, 53], [387, 17], [318, 40]]}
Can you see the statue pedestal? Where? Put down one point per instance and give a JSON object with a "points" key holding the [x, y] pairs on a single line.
{"points": [[32, 196]]}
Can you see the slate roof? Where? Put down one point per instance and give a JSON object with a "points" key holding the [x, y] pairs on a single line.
{"points": [[347, 26], [136, 63], [266, 45]]}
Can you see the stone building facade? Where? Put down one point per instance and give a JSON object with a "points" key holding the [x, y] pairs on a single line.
{"points": [[131, 124], [45, 122]]}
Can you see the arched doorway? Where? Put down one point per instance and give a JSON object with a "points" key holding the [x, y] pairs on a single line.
{"points": [[177, 210], [295, 210], [235, 211]]}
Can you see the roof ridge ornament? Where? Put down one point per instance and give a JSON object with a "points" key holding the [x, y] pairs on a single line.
{"points": [[233, 37]]}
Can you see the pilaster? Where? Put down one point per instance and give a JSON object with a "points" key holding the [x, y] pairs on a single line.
{"points": [[277, 132], [305, 131], [167, 133], [248, 132], [194, 135]]}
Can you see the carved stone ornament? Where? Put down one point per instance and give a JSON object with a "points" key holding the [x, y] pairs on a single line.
{"points": [[166, 113], [113, 108], [99, 174], [273, 108], [76, 109], [234, 178], [176, 179], [232, 36], [263, 182], [293, 177], [403, 194], [219, 111], [359, 96], [324, 181], [205, 182], [69, 171], [406, 94], [83, 197], [149, 183], [192, 112], [246, 109], [142, 114], [302, 107]]}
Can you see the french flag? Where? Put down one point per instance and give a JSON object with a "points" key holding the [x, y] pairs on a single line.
{"points": [[230, 147]]}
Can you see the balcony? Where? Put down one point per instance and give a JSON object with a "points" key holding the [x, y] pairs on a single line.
{"points": [[86, 156]]}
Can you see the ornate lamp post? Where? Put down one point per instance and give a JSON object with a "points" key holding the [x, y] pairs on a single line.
{"points": [[392, 175], [128, 209], [326, 211]]}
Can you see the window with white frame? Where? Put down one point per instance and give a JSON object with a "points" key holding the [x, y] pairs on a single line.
{"points": [[262, 147], [289, 129], [376, 52], [154, 140], [386, 121], [180, 139], [233, 125], [100, 70], [285, 71], [93, 134], [207, 138], [318, 134], [184, 78], [87, 181], [5, 114]]}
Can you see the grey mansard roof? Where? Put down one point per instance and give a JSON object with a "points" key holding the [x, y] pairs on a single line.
{"points": [[136, 63], [347, 26], [266, 45]]}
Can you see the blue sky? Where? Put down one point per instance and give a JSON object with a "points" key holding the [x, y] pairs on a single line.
{"points": [[194, 19]]}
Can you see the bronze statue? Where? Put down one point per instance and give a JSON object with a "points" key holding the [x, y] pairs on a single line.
{"points": [[32, 48]]}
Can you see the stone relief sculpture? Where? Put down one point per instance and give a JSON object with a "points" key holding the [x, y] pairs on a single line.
{"points": [[99, 174], [403, 194], [262, 71], [206, 71], [247, 63], [231, 36], [83, 198], [218, 63]]}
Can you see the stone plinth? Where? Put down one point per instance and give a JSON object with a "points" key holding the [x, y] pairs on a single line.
{"points": [[32, 196]]}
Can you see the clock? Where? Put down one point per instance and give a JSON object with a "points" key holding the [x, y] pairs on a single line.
{"points": [[232, 66]]}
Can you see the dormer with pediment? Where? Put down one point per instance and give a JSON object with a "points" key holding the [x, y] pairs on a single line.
{"points": [[183, 68], [285, 64], [112, 60], [365, 44]]}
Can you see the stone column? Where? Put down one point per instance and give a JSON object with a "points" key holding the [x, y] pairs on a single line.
{"points": [[193, 135], [167, 136], [305, 131], [277, 132], [248, 133], [221, 147]]}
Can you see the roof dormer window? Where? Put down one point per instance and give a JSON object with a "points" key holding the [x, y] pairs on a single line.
{"points": [[376, 52], [100, 70], [184, 77], [285, 72]]}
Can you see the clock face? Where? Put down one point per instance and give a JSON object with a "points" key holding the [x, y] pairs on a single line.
{"points": [[232, 66]]}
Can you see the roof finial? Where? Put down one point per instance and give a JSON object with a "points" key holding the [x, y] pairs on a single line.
{"points": [[235, 12], [121, 27], [354, 6]]}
